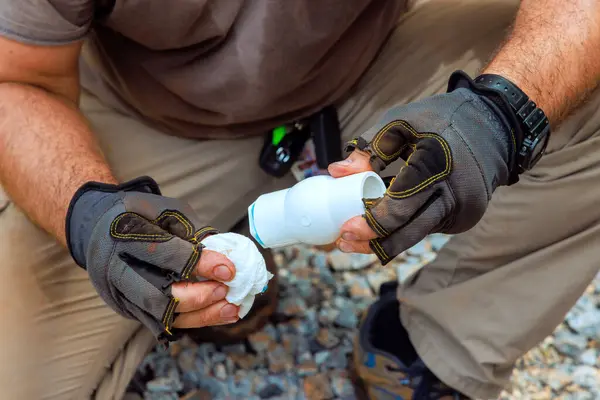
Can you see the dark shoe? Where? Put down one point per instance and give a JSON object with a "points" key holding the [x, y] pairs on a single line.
{"points": [[386, 365], [264, 306]]}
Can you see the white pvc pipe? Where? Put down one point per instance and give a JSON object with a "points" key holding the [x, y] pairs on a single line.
{"points": [[312, 211]]}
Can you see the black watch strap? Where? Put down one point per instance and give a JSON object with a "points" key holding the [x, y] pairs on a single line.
{"points": [[534, 123]]}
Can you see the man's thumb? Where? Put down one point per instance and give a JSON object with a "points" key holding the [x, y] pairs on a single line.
{"points": [[357, 161]]}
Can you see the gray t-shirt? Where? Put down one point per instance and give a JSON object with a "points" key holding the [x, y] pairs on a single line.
{"points": [[212, 68]]}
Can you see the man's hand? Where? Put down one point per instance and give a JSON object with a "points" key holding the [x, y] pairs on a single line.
{"points": [[142, 252], [457, 149]]}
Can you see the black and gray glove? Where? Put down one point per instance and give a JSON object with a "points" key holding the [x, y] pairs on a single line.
{"points": [[134, 243], [457, 147]]}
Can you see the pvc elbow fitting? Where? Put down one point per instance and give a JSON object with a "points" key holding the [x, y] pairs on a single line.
{"points": [[313, 210]]}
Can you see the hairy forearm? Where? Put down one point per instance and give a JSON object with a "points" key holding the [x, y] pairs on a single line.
{"points": [[46, 152], [553, 53]]}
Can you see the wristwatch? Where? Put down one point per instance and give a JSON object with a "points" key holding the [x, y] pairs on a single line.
{"points": [[533, 121], [530, 125]]}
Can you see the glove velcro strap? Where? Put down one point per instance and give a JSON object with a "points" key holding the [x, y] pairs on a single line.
{"points": [[143, 184], [503, 110]]}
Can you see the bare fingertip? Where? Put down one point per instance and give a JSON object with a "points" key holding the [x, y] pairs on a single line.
{"points": [[345, 247], [229, 311], [223, 273]]}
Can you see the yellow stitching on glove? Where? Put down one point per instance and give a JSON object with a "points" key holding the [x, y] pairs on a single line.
{"points": [[378, 138], [380, 230], [379, 250], [141, 236], [169, 314], [439, 176], [188, 227]]}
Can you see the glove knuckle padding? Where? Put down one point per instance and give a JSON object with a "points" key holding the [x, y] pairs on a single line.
{"points": [[455, 150]]}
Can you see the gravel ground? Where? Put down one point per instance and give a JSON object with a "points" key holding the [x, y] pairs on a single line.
{"points": [[307, 355]]}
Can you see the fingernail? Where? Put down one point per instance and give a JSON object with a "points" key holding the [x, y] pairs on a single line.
{"points": [[219, 293], [349, 236], [229, 311], [345, 247], [222, 272], [347, 161]]}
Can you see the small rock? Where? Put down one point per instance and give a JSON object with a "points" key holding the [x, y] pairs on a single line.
{"points": [[161, 363], [359, 287], [289, 342], [171, 383], [428, 257], [205, 351], [586, 323], [292, 306], [290, 252], [306, 365], [437, 241], [237, 348], [279, 360], [321, 357], [307, 290], [347, 318], [579, 395], [229, 366], [279, 258], [345, 261], [270, 330], [270, 391], [362, 304], [541, 394], [327, 294], [420, 248], [327, 338], [341, 385], [569, 343], [337, 359], [590, 357], [317, 387], [310, 325], [239, 388], [215, 387], [325, 275], [302, 345], [587, 377], [557, 379], [296, 265], [377, 278], [341, 302], [407, 267], [245, 361], [191, 378], [174, 349], [327, 315], [260, 341], [218, 357], [220, 372], [186, 359]]}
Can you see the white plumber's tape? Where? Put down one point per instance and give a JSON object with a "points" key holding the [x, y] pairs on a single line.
{"points": [[251, 275]]}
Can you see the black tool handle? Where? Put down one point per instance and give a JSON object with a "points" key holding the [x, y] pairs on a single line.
{"points": [[327, 137]]}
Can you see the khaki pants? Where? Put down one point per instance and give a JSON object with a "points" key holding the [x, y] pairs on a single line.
{"points": [[492, 293]]}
